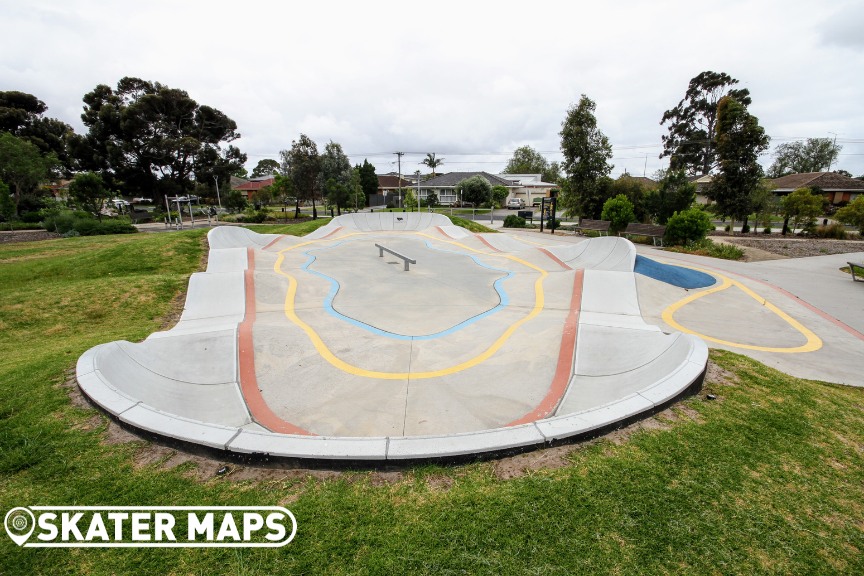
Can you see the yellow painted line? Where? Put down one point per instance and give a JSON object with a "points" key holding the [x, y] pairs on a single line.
{"points": [[337, 362], [813, 342]]}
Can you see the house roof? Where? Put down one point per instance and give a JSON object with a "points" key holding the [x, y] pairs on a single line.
{"points": [[645, 181], [824, 180], [527, 180], [453, 178], [255, 184], [388, 181]]}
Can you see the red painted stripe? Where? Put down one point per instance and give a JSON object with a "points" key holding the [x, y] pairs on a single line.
{"points": [[564, 370], [261, 413], [333, 232], [484, 241], [556, 259], [274, 241]]}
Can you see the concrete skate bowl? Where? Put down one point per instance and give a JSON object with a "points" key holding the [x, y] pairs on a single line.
{"points": [[326, 348]]}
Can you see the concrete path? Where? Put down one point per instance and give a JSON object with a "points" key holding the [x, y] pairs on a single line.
{"points": [[321, 347]]}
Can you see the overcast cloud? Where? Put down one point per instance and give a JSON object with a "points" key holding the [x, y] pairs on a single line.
{"points": [[469, 81]]}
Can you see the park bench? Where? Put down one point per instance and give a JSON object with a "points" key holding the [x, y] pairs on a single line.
{"points": [[860, 276], [650, 230], [601, 226], [382, 249]]}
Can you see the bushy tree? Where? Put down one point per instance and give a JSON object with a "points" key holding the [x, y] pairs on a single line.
{"points": [[432, 199], [368, 179], [586, 154], [155, 139], [812, 155], [265, 167], [410, 200], [89, 193], [739, 141], [853, 214], [675, 193], [618, 211], [7, 206], [302, 164], [802, 207], [22, 166], [22, 115], [334, 177], [691, 142], [499, 195], [475, 189], [689, 225], [636, 192]]}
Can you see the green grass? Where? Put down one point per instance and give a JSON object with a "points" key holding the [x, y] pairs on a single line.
{"points": [[470, 225], [766, 479]]}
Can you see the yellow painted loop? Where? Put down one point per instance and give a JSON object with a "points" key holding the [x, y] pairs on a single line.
{"points": [[337, 362], [813, 342]]}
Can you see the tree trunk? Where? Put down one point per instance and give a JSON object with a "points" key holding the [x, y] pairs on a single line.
{"points": [[314, 208], [297, 208], [744, 225], [785, 226]]}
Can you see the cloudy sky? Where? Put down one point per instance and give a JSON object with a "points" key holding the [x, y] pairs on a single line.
{"points": [[469, 81]]}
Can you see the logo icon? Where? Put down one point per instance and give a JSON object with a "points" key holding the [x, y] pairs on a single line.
{"points": [[19, 523]]}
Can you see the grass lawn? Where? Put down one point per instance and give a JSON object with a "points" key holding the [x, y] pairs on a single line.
{"points": [[766, 479]]}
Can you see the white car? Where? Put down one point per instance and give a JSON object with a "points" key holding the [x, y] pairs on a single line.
{"points": [[515, 204]]}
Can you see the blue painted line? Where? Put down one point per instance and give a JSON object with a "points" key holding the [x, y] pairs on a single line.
{"points": [[674, 275], [504, 299]]}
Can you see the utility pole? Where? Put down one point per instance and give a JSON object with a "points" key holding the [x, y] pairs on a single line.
{"points": [[399, 182], [833, 147]]}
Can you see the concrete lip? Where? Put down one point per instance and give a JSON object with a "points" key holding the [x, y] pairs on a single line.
{"points": [[320, 348]]}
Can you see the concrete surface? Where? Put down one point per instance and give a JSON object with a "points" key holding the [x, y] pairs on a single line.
{"points": [[316, 347]]}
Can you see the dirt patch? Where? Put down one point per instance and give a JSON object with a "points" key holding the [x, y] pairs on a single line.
{"points": [[779, 247], [26, 236]]}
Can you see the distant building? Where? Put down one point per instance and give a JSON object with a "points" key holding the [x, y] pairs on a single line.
{"points": [[528, 186], [444, 185], [837, 188], [253, 185]]}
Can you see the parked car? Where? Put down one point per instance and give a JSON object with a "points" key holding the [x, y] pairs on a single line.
{"points": [[515, 204]]}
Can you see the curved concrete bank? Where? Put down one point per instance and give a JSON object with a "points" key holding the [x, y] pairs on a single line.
{"points": [[318, 348]]}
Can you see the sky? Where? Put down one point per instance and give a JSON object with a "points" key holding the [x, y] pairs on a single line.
{"points": [[468, 81]]}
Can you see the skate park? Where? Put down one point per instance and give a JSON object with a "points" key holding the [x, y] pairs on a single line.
{"points": [[400, 337]]}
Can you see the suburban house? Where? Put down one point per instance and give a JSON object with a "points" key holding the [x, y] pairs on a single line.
{"points": [[646, 182], [388, 190], [253, 185], [837, 188], [444, 185], [702, 182], [528, 186]]}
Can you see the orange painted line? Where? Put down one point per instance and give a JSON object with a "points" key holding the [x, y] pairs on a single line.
{"points": [[274, 241], [556, 259], [564, 370], [261, 413], [483, 240]]}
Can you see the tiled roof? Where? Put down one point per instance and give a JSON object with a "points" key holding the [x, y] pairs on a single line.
{"points": [[256, 184], [824, 180], [387, 181], [453, 178]]}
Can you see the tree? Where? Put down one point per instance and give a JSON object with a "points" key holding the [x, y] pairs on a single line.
{"points": [[265, 167], [675, 193], [335, 167], [853, 214], [635, 191], [368, 179], [283, 189], [802, 207], [153, 138], [690, 143], [22, 115], [88, 191], [475, 190], [7, 206], [302, 164], [410, 200], [432, 162], [432, 199], [738, 142], [586, 155], [356, 196], [22, 165], [499, 194], [618, 211], [526, 160], [813, 155]]}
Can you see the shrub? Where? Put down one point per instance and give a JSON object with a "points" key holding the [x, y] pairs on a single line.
{"points": [[766, 230], [835, 231], [853, 214], [705, 247], [691, 225], [513, 221], [83, 224], [619, 211]]}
